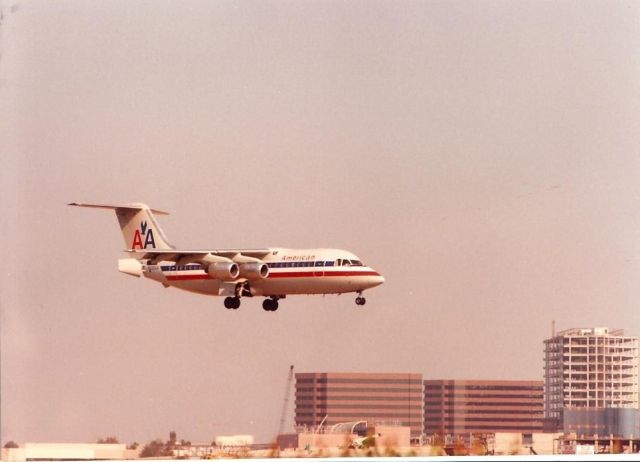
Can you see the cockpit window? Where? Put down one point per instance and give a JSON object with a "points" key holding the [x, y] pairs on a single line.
{"points": [[345, 262]]}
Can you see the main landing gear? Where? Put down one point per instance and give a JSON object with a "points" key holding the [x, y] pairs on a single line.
{"points": [[232, 303], [360, 300], [242, 289], [270, 304]]}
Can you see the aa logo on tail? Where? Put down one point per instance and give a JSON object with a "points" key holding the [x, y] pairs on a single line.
{"points": [[148, 237]]}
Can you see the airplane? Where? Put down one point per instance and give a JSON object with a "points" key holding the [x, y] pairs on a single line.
{"points": [[272, 273]]}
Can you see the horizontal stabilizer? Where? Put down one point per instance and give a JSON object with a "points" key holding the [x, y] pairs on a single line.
{"points": [[130, 206]]}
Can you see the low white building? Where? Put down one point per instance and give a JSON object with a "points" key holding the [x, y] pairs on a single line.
{"points": [[234, 441], [67, 451], [519, 444]]}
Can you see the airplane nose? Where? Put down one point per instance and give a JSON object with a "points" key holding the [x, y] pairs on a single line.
{"points": [[376, 280]]}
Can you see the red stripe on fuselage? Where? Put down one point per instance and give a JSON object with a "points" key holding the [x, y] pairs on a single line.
{"points": [[188, 277], [292, 274], [312, 274]]}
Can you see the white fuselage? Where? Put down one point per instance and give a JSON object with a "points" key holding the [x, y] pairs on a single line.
{"points": [[291, 271]]}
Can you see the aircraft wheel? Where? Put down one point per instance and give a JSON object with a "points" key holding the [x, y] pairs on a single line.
{"points": [[232, 303], [269, 304], [361, 301]]}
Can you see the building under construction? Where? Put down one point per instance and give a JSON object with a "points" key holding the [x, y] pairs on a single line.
{"points": [[589, 368]]}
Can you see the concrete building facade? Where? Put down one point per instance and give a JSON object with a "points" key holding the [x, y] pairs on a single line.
{"points": [[68, 451], [589, 368], [603, 422], [461, 407], [327, 399]]}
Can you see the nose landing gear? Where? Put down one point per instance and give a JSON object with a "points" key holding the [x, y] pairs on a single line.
{"points": [[360, 300]]}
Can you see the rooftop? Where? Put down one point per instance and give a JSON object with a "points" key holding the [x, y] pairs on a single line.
{"points": [[590, 331]]}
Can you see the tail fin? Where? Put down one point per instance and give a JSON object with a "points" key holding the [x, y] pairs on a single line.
{"points": [[139, 227]]}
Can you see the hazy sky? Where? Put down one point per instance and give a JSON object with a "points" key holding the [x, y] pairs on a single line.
{"points": [[483, 156]]}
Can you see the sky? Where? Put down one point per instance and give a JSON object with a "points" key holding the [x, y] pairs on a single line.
{"points": [[482, 155]]}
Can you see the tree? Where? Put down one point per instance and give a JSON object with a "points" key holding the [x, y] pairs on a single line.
{"points": [[158, 448], [108, 440], [11, 445], [155, 448]]}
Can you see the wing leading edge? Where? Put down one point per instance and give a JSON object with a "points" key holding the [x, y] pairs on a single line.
{"points": [[174, 255]]}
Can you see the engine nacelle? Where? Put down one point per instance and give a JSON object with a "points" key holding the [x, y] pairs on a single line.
{"points": [[254, 271], [225, 271]]}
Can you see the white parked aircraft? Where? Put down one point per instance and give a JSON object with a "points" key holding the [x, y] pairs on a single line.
{"points": [[273, 273]]}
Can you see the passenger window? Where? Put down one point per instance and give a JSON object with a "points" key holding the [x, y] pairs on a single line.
{"points": [[319, 263]]}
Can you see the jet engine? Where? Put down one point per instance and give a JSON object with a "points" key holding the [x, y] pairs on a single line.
{"points": [[225, 271], [254, 270]]}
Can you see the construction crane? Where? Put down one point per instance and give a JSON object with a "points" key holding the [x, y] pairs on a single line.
{"points": [[285, 404], [275, 447]]}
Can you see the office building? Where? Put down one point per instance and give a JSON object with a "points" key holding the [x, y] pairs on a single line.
{"points": [[326, 399], [589, 368], [461, 407]]}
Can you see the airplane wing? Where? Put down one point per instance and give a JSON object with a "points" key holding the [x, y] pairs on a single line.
{"points": [[175, 254]]}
